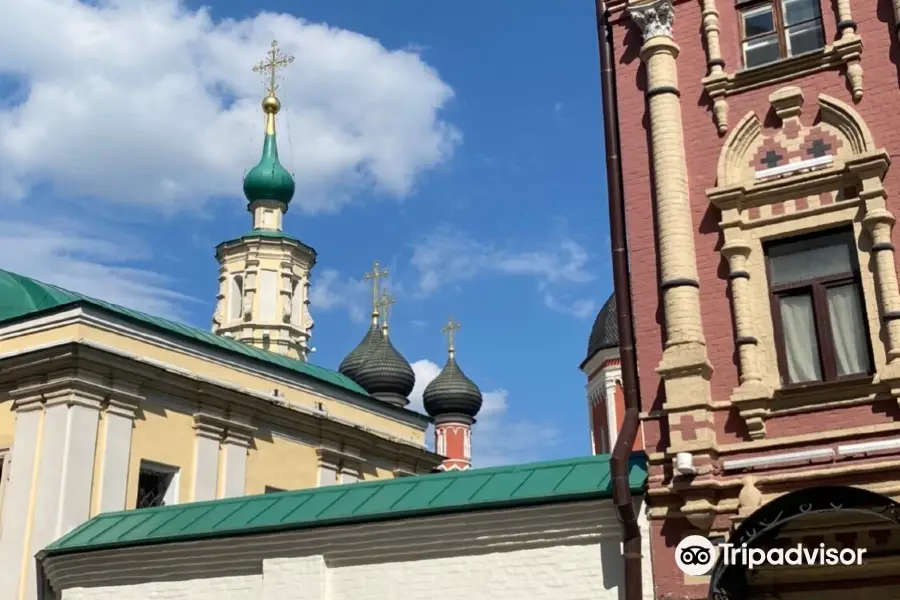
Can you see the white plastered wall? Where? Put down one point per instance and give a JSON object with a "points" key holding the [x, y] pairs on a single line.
{"points": [[561, 569]]}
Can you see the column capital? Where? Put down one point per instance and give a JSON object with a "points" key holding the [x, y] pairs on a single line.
{"points": [[655, 18]]}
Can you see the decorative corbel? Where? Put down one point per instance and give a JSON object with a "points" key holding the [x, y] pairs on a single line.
{"points": [[716, 82], [849, 47]]}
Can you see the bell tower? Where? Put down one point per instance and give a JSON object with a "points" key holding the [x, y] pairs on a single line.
{"points": [[263, 297]]}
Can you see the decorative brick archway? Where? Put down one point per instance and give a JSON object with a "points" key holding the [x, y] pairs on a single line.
{"points": [[728, 582]]}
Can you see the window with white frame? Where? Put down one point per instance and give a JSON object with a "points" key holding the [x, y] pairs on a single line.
{"points": [[818, 309], [157, 485], [776, 29]]}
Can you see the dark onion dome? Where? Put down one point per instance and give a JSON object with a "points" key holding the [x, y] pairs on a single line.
{"points": [[385, 374], [451, 392], [605, 332], [352, 362]]}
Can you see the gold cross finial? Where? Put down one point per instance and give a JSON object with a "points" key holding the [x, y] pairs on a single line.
{"points": [[275, 59], [374, 276], [448, 329], [385, 306]]}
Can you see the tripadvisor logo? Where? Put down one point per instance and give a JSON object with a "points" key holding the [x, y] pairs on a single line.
{"points": [[695, 555]]}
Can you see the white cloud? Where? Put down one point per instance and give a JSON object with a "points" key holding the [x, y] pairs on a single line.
{"points": [[447, 256], [330, 290], [497, 438], [90, 263], [147, 102], [580, 309]]}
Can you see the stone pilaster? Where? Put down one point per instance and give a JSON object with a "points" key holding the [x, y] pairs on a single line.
{"points": [[685, 368], [208, 430], [14, 522], [736, 251], [235, 446], [338, 464], [63, 467], [879, 222], [122, 405]]}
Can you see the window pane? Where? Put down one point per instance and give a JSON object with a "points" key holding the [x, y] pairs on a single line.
{"points": [[803, 260], [761, 51], [805, 38], [800, 344], [845, 312], [758, 21], [797, 11]]}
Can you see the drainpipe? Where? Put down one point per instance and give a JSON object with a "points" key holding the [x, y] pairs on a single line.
{"points": [[631, 533]]}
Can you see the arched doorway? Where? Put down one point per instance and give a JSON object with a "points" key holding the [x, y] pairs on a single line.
{"points": [[801, 515]]}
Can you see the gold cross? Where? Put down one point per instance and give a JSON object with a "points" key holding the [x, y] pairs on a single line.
{"points": [[275, 60], [374, 276], [448, 330], [385, 307]]}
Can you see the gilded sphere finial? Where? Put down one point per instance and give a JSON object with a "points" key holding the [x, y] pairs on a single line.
{"points": [[271, 105]]}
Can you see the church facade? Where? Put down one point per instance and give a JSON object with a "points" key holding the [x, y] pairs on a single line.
{"points": [[760, 201], [104, 409]]}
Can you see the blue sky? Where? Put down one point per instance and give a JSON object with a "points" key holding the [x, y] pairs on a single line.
{"points": [[459, 143]]}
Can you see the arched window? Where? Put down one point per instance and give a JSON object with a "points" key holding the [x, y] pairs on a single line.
{"points": [[235, 297]]}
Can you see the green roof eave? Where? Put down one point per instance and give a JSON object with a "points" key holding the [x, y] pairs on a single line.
{"points": [[22, 297], [425, 495]]}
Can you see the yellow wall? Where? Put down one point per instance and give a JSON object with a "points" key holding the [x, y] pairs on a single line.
{"points": [[165, 436], [280, 463], [256, 383]]}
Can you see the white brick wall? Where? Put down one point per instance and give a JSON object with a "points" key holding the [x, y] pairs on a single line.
{"points": [[566, 551], [554, 573], [219, 588]]}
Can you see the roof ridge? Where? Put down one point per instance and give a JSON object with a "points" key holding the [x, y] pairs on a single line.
{"points": [[184, 330]]}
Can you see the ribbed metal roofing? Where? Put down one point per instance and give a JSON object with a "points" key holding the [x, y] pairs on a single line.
{"points": [[605, 332], [451, 492]]}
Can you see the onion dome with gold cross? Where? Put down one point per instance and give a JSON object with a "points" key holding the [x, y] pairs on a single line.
{"points": [[384, 372], [353, 362], [451, 392], [269, 180]]}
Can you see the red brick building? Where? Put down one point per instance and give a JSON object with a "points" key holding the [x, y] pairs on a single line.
{"points": [[756, 141]]}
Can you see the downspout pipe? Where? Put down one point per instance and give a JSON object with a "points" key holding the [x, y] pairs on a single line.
{"points": [[631, 532]]}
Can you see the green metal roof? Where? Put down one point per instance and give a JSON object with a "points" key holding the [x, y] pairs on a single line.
{"points": [[21, 296], [500, 487]]}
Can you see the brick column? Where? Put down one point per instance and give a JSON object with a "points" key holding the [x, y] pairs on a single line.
{"points": [[684, 367], [879, 222]]}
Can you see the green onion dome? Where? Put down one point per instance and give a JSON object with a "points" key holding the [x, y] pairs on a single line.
{"points": [[451, 392], [269, 180]]}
